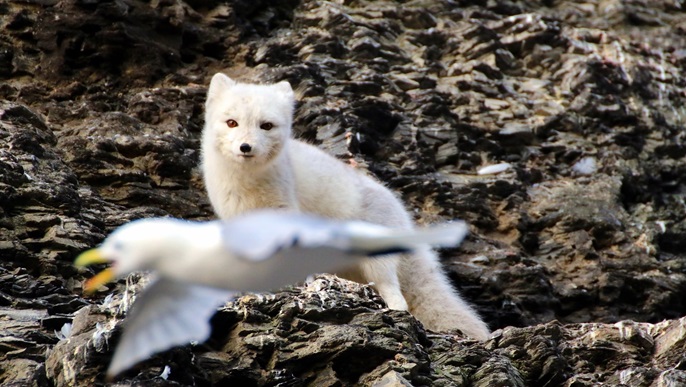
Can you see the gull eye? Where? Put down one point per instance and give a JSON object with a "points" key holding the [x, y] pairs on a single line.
{"points": [[231, 123], [267, 126]]}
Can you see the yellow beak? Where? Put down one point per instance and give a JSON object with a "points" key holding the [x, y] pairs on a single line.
{"points": [[91, 257]]}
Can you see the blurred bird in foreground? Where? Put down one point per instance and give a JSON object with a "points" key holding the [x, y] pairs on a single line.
{"points": [[198, 266]]}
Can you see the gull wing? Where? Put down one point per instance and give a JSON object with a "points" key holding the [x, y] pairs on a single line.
{"points": [[363, 240], [166, 314], [263, 234]]}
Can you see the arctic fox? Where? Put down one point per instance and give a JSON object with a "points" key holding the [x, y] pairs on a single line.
{"points": [[250, 161]]}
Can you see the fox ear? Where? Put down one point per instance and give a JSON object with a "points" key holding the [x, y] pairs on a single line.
{"points": [[219, 83], [285, 88]]}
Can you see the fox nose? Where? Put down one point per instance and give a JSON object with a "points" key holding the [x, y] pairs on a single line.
{"points": [[245, 148]]}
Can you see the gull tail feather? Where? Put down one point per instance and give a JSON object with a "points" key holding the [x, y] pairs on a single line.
{"points": [[394, 241]]}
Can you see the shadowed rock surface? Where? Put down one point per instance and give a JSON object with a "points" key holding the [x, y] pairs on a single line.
{"points": [[577, 250]]}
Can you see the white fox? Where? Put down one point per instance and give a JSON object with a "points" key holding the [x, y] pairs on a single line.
{"points": [[250, 161]]}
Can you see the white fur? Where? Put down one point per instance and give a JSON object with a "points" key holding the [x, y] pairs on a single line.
{"points": [[286, 173]]}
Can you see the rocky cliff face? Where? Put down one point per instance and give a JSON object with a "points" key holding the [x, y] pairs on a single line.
{"points": [[577, 250]]}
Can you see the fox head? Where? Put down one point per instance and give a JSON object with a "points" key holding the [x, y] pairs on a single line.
{"points": [[248, 123]]}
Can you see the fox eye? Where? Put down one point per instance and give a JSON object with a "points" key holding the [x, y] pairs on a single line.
{"points": [[231, 123], [267, 126]]}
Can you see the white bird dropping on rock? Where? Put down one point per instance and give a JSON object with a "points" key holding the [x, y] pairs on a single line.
{"points": [[585, 166], [198, 266], [494, 169]]}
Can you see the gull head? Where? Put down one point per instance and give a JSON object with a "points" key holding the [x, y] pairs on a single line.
{"points": [[138, 245]]}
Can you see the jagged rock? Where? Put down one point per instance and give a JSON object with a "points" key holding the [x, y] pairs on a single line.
{"points": [[577, 249]]}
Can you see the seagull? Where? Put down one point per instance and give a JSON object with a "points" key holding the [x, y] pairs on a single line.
{"points": [[198, 266]]}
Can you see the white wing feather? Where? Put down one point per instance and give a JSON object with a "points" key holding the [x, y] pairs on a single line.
{"points": [[262, 234], [166, 314], [245, 236], [372, 241]]}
